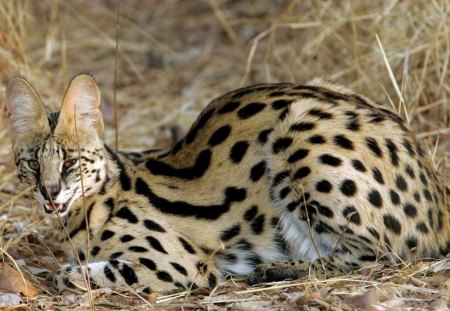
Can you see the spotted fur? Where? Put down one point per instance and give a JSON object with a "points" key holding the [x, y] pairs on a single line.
{"points": [[314, 173]]}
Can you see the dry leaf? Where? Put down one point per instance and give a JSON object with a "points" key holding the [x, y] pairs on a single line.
{"points": [[365, 300], [12, 282]]}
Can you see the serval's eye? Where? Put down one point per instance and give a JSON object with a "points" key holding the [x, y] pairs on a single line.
{"points": [[70, 163], [33, 164]]}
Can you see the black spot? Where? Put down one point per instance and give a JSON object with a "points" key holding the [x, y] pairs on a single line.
{"points": [[219, 136], [179, 268], [115, 255], [263, 136], [114, 263], [137, 249], [417, 197], [367, 258], [251, 213], [228, 107], [281, 144], [320, 114], [430, 217], [238, 151], [324, 186], [401, 183], [109, 274], [353, 125], [410, 171], [95, 250], [351, 214], [395, 198], [284, 192], [254, 259], [280, 104], [151, 225], [330, 160], [126, 238], [325, 211], [258, 224], [106, 235], [411, 242], [410, 210], [128, 274], [164, 276], [277, 94], [283, 114], [302, 172], [427, 195], [279, 178], [231, 258], [376, 118], [292, 206], [274, 222], [155, 244], [408, 147], [423, 179], [202, 120], [377, 175], [188, 247], [392, 223], [244, 245], [179, 285], [302, 127], [375, 199], [81, 255], [250, 110], [322, 227], [422, 227], [392, 151], [343, 142], [125, 213], [348, 187], [230, 233], [257, 171], [373, 146], [351, 114], [317, 139], [182, 208], [212, 280], [440, 219], [358, 165], [148, 263], [374, 233], [196, 171], [298, 155]]}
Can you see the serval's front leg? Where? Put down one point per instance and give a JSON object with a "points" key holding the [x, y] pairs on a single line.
{"points": [[143, 263]]}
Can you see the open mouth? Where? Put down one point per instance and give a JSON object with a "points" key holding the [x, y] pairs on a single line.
{"points": [[55, 207]]}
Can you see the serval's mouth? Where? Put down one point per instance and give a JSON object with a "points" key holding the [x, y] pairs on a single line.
{"points": [[59, 208]]}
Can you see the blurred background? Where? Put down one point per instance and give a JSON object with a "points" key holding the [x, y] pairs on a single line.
{"points": [[176, 55]]}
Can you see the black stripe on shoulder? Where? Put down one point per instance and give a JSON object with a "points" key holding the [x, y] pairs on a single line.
{"points": [[181, 208], [199, 168]]}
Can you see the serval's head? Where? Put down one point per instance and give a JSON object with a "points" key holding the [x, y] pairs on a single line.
{"points": [[61, 154]]}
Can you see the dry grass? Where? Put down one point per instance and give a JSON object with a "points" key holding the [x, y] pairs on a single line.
{"points": [[173, 57]]}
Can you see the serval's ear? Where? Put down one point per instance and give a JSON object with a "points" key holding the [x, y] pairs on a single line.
{"points": [[80, 110], [27, 115]]}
